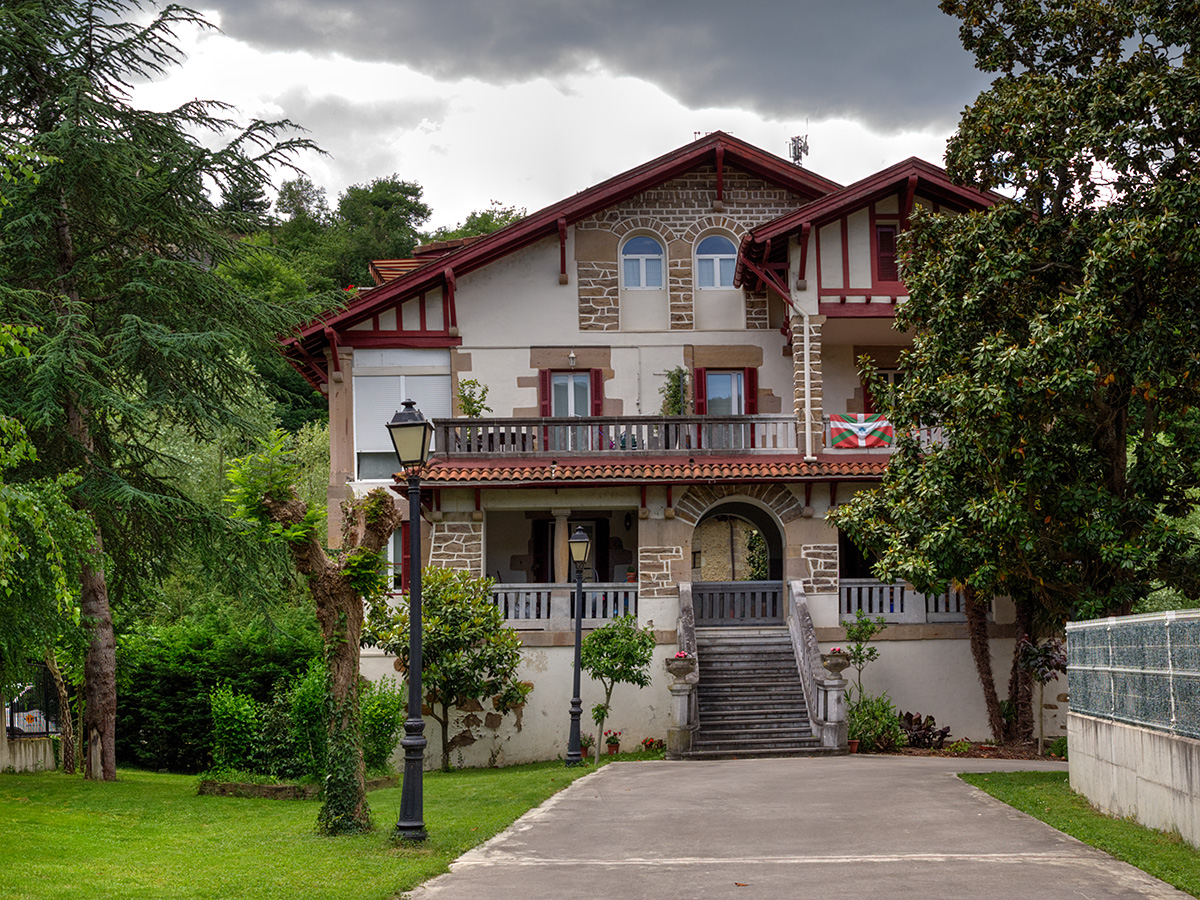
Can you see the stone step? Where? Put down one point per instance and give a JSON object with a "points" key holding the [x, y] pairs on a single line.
{"points": [[700, 755], [734, 746], [756, 730]]}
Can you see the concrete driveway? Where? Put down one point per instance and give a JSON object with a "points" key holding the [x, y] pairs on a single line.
{"points": [[842, 827]]}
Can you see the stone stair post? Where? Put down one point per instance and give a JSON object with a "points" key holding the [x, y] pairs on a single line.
{"points": [[685, 674]]}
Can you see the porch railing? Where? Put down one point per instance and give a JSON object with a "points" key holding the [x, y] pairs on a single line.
{"points": [[898, 603], [738, 602], [614, 435], [552, 606]]}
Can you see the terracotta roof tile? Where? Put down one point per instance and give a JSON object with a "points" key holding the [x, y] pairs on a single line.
{"points": [[591, 470]]}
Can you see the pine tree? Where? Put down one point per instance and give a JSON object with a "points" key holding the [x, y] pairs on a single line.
{"points": [[109, 256]]}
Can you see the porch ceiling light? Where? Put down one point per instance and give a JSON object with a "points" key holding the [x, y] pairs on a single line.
{"points": [[411, 434], [581, 547]]}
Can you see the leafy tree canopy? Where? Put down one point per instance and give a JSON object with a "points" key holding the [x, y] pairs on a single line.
{"points": [[481, 221]]}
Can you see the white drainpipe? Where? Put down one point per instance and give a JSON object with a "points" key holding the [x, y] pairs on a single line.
{"points": [[808, 435]]}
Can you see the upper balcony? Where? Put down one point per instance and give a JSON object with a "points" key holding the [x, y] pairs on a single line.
{"points": [[615, 436]]}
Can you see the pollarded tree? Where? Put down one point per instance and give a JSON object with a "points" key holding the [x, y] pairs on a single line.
{"points": [[110, 258], [467, 652], [1056, 342], [340, 583]]}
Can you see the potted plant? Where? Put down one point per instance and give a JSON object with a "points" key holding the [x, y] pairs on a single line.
{"points": [[612, 740], [586, 743], [682, 663], [835, 661]]}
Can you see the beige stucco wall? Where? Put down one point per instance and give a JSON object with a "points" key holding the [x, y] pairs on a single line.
{"points": [[1125, 770]]}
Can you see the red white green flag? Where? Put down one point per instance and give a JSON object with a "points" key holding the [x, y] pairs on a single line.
{"points": [[860, 430]]}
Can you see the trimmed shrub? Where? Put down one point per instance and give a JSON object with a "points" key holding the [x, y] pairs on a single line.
{"points": [[873, 722], [381, 704], [235, 727]]}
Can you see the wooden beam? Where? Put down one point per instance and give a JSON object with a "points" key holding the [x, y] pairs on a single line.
{"points": [[562, 250], [910, 197], [720, 173], [805, 229], [773, 280], [451, 283]]}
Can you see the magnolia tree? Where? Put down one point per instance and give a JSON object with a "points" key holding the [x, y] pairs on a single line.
{"points": [[467, 652], [617, 653]]}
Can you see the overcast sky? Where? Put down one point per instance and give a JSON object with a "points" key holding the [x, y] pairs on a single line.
{"points": [[528, 101]]}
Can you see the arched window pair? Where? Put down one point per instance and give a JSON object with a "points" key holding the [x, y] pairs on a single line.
{"points": [[643, 263]]}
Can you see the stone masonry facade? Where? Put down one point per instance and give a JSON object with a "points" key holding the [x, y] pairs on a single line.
{"points": [[815, 380], [822, 562], [654, 571], [457, 545], [700, 498], [678, 211]]}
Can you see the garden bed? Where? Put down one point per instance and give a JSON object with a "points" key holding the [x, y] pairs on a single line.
{"points": [[212, 788], [984, 751]]}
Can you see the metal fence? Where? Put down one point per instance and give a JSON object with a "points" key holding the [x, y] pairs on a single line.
{"points": [[31, 707], [1140, 670]]}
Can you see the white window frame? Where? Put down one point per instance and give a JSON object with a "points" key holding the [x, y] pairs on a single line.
{"points": [[641, 258], [738, 393], [716, 258], [571, 410]]}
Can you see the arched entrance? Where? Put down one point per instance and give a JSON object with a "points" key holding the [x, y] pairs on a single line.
{"points": [[737, 566]]}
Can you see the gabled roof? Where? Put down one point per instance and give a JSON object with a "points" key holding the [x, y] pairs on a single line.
{"points": [[910, 177], [312, 338]]}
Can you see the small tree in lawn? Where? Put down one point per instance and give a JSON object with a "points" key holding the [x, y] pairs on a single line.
{"points": [[618, 653], [467, 652]]}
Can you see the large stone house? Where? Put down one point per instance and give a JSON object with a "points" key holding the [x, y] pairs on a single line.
{"points": [[731, 279]]}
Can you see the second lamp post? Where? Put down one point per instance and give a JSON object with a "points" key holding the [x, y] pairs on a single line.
{"points": [[581, 547]]}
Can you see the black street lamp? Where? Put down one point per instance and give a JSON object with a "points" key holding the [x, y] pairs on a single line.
{"points": [[581, 547], [410, 436]]}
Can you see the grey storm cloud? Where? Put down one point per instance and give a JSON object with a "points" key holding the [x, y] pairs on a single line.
{"points": [[889, 63]]}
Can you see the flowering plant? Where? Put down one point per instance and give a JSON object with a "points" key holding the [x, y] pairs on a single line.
{"points": [[587, 741], [837, 650], [612, 738], [652, 743], [683, 654]]}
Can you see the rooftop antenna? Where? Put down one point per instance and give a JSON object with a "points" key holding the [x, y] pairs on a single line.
{"points": [[798, 147]]}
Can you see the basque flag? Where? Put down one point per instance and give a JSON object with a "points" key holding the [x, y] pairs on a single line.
{"points": [[860, 430]]}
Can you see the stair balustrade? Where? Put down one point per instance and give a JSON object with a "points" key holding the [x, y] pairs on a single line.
{"points": [[825, 694]]}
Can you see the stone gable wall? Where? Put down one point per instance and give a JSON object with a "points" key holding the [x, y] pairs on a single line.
{"points": [[457, 545], [678, 211]]}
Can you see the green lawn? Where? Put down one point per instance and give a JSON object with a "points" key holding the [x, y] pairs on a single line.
{"points": [[1047, 796], [150, 836]]}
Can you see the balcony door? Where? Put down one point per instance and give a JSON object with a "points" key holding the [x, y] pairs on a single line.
{"points": [[573, 395]]}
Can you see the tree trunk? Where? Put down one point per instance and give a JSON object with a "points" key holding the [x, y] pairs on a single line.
{"points": [[977, 631], [64, 714], [1020, 686], [99, 670]]}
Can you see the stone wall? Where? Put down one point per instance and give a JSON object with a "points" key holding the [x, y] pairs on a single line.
{"points": [[702, 497], [457, 545], [678, 212], [654, 572], [814, 379], [822, 562]]}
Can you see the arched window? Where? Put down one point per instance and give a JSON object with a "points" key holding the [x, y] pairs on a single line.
{"points": [[715, 260], [642, 263]]}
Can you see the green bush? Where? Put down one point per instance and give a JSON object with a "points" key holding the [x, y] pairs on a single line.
{"points": [[235, 727], [308, 700], [381, 704], [873, 722], [165, 675], [1058, 747]]}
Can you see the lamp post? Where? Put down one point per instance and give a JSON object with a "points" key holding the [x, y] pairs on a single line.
{"points": [[581, 547], [410, 437]]}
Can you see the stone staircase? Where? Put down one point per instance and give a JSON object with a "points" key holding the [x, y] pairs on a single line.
{"points": [[750, 697]]}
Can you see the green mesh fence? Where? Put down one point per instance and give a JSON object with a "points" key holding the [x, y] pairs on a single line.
{"points": [[1141, 670]]}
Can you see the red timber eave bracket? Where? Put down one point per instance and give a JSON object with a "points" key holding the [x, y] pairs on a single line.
{"points": [[332, 337], [910, 197], [802, 275], [451, 283], [779, 285], [562, 250]]}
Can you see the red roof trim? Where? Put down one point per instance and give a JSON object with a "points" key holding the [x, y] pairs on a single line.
{"points": [[544, 223]]}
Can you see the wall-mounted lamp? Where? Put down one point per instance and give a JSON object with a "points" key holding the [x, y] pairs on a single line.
{"points": [[571, 359]]}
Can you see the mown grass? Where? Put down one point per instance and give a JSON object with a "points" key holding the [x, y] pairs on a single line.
{"points": [[1048, 796], [149, 836]]}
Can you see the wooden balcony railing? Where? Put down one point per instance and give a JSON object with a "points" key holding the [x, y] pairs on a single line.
{"points": [[898, 603], [615, 435]]}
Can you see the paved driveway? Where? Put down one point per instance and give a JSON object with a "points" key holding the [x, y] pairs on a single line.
{"points": [[843, 827]]}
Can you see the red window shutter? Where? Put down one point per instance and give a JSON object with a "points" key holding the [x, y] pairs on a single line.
{"points": [[885, 246], [700, 390], [750, 381], [597, 392], [544, 391]]}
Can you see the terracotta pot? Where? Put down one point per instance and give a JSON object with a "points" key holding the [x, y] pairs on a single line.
{"points": [[613, 748], [853, 746]]}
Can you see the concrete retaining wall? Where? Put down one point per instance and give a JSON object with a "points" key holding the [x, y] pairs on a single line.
{"points": [[1125, 770], [26, 754]]}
